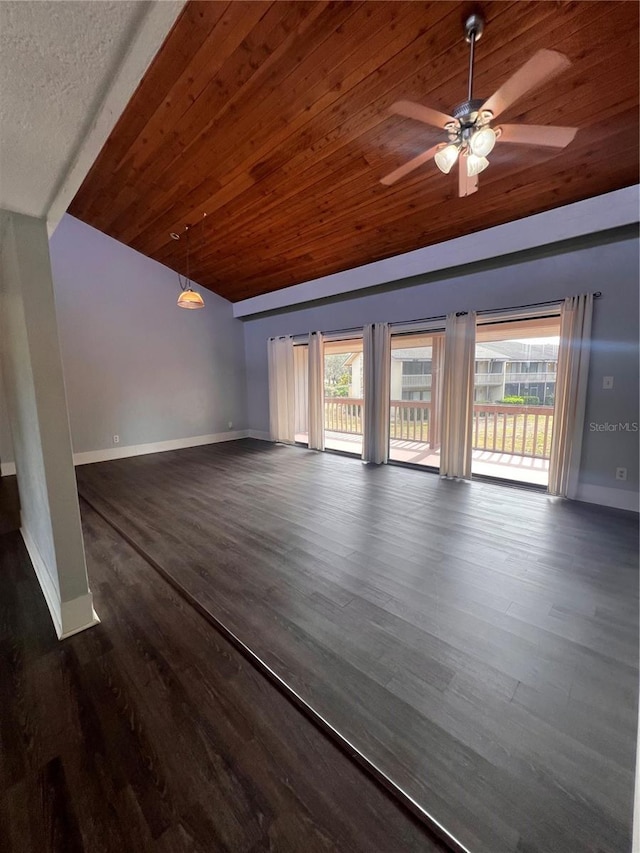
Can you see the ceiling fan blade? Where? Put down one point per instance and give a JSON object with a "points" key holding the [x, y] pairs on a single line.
{"points": [[400, 172], [409, 109], [542, 66], [537, 134], [466, 185]]}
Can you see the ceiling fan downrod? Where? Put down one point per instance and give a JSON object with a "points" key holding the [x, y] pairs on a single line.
{"points": [[473, 29]]}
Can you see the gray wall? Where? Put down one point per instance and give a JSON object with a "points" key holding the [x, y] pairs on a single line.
{"points": [[610, 267], [135, 364], [6, 446]]}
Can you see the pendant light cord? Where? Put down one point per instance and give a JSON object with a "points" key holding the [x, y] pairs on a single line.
{"points": [[186, 232], [185, 281]]}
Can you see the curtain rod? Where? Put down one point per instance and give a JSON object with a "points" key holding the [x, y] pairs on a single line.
{"points": [[596, 295], [358, 329]]}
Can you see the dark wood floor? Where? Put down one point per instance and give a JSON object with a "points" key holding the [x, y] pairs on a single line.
{"points": [[477, 643], [9, 505], [151, 733]]}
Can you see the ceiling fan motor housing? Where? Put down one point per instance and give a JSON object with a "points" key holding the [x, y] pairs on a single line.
{"points": [[467, 112]]}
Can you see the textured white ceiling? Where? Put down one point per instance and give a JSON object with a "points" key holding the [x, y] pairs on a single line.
{"points": [[58, 61]]}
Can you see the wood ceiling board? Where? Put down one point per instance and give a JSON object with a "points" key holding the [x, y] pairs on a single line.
{"points": [[367, 99], [505, 157], [273, 118], [125, 237], [280, 146], [594, 185]]}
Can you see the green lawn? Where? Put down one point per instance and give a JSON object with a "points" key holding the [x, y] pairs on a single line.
{"points": [[514, 424]]}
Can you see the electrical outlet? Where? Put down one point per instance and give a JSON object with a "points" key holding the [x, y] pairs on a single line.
{"points": [[230, 424], [116, 439], [621, 473], [607, 382]]}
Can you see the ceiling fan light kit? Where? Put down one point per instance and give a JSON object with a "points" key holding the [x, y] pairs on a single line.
{"points": [[476, 164], [446, 157], [483, 141], [471, 138]]}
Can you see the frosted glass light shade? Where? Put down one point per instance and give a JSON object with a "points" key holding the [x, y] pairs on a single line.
{"points": [[446, 157], [476, 164], [482, 142], [190, 299]]}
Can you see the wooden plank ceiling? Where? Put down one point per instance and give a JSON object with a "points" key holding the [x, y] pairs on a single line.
{"points": [[272, 118]]}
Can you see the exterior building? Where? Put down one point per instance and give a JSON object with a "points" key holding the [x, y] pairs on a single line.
{"points": [[502, 369]]}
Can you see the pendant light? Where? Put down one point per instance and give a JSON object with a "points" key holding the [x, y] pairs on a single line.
{"points": [[188, 298]]}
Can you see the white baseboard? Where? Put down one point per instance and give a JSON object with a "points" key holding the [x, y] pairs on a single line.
{"points": [[259, 434], [7, 469], [77, 615], [47, 584], [68, 617], [124, 451], [606, 496]]}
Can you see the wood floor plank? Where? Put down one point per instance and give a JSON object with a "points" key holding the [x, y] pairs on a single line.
{"points": [[150, 732], [478, 644]]}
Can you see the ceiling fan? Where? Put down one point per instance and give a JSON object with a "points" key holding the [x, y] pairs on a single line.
{"points": [[471, 137]]}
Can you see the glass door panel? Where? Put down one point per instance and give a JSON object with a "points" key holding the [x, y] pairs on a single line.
{"points": [[343, 395], [514, 395], [414, 406]]}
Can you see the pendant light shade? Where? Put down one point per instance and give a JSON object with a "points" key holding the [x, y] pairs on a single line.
{"points": [[446, 157], [190, 299]]}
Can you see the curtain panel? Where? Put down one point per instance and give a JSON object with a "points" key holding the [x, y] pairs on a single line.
{"points": [[571, 395], [281, 389], [316, 391], [456, 414], [377, 388]]}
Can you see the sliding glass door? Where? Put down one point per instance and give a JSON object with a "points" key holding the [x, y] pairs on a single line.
{"points": [[514, 396], [415, 396], [343, 395]]}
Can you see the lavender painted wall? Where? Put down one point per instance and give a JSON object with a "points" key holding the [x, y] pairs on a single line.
{"points": [[135, 364], [610, 267]]}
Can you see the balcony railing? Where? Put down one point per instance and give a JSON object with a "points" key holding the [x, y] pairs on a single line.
{"points": [[416, 380], [489, 378], [530, 377], [515, 430], [423, 380], [409, 420], [343, 414], [518, 430]]}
